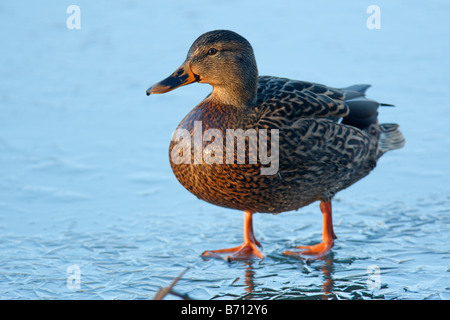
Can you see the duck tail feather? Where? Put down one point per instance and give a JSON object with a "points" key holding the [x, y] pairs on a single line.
{"points": [[391, 138], [362, 112], [362, 88]]}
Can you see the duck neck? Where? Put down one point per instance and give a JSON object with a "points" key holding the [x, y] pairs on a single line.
{"points": [[235, 94], [240, 86]]}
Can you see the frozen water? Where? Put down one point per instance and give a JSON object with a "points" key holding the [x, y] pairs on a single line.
{"points": [[84, 170]]}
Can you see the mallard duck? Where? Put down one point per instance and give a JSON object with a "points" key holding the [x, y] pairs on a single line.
{"points": [[319, 139]]}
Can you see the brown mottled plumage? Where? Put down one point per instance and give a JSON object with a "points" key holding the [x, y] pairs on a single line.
{"points": [[329, 138]]}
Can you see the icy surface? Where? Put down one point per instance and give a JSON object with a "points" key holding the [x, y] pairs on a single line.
{"points": [[85, 178]]}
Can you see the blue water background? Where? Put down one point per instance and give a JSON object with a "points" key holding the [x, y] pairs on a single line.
{"points": [[85, 178]]}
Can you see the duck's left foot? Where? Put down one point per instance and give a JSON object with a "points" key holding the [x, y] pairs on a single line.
{"points": [[248, 250], [321, 249], [317, 251]]}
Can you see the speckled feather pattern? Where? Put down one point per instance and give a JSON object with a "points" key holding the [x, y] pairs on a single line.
{"points": [[318, 156]]}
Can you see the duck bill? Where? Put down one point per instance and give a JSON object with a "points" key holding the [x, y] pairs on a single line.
{"points": [[182, 76]]}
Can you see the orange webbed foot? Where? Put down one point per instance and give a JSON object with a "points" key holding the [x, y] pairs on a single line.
{"points": [[319, 250], [316, 251], [248, 250]]}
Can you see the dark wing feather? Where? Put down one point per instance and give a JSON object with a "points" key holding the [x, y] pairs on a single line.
{"points": [[289, 100], [326, 155]]}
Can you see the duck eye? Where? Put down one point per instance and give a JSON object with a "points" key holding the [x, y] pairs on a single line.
{"points": [[212, 51]]}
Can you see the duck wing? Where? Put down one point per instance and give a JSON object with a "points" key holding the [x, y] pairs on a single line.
{"points": [[316, 147], [288, 100]]}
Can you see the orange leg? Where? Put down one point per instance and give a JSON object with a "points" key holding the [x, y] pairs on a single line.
{"points": [[248, 250], [321, 249]]}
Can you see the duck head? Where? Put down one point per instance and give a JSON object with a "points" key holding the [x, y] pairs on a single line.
{"points": [[223, 59]]}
